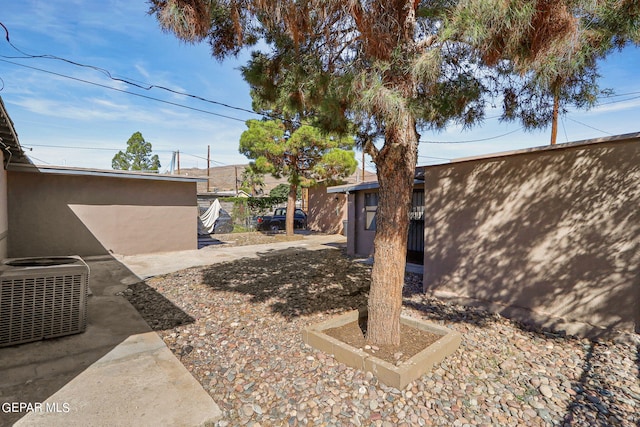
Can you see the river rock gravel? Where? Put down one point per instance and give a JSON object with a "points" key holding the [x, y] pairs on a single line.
{"points": [[237, 328]]}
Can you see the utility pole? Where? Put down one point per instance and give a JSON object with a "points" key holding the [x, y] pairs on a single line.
{"points": [[554, 122], [555, 88], [363, 165], [178, 161], [208, 165]]}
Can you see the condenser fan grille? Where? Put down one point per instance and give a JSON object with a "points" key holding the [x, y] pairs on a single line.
{"points": [[39, 303]]}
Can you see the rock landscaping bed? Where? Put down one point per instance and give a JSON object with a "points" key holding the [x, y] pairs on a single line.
{"points": [[237, 328]]}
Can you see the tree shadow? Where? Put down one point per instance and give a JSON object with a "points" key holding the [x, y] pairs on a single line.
{"points": [[206, 240], [159, 313], [297, 231], [295, 281], [435, 309], [472, 312], [598, 396], [555, 232]]}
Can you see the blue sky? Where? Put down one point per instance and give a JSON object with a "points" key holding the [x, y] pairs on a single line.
{"points": [[65, 121]]}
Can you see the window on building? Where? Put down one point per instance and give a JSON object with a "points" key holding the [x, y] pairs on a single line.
{"points": [[370, 208]]}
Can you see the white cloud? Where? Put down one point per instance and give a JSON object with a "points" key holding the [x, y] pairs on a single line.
{"points": [[631, 104], [143, 72]]}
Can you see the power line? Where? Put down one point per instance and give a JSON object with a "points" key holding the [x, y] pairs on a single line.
{"points": [[590, 127], [431, 157], [149, 86], [118, 149], [204, 158], [129, 81], [471, 140], [615, 95], [107, 73], [40, 160], [125, 91], [564, 128], [88, 148], [73, 148], [621, 100]]}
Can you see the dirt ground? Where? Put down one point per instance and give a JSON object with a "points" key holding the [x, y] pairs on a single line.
{"points": [[412, 341]]}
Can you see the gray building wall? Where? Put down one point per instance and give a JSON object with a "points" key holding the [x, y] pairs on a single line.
{"points": [[553, 231], [359, 239]]}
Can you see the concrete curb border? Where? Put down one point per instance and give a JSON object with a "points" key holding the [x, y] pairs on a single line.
{"points": [[387, 373]]}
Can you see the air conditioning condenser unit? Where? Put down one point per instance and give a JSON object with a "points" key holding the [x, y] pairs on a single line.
{"points": [[42, 298]]}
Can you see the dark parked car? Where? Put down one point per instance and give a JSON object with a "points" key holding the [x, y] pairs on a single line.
{"points": [[277, 221]]}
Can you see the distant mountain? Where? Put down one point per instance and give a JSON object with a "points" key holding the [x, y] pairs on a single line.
{"points": [[223, 178]]}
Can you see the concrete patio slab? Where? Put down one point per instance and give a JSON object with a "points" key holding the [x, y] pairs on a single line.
{"points": [[139, 382], [145, 266], [117, 372]]}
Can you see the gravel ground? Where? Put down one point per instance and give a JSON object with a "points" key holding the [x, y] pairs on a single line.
{"points": [[237, 328], [249, 238]]}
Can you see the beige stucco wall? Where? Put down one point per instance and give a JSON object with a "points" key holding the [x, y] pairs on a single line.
{"points": [[53, 214], [326, 210], [554, 231], [4, 214]]}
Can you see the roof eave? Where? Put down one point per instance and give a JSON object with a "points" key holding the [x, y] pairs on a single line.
{"points": [[9, 139], [60, 170]]}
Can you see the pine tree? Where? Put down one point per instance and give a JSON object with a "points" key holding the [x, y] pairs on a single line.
{"points": [[137, 156], [303, 156], [394, 67]]}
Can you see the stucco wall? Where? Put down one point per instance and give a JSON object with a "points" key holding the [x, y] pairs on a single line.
{"points": [[90, 215], [359, 239], [554, 231], [4, 215], [326, 211]]}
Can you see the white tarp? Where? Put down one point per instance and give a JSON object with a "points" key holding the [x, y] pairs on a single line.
{"points": [[207, 221]]}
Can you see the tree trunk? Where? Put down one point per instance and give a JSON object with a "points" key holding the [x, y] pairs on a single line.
{"points": [[396, 164], [291, 208]]}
